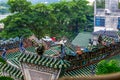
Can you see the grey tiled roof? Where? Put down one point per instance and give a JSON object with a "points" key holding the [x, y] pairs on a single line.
{"points": [[82, 39]]}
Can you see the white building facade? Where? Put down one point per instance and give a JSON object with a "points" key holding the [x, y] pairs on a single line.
{"points": [[106, 17]]}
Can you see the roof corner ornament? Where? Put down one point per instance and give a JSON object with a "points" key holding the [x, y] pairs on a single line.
{"points": [[21, 45]]}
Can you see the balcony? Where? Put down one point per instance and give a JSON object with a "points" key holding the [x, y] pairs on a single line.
{"points": [[102, 12]]}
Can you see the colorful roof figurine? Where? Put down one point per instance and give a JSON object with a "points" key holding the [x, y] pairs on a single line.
{"points": [[10, 43]]}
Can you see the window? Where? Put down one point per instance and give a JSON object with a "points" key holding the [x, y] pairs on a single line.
{"points": [[100, 3], [118, 23], [99, 21]]}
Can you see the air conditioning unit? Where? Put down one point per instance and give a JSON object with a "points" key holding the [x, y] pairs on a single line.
{"points": [[107, 11]]}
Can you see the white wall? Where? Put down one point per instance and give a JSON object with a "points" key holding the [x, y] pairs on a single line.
{"points": [[98, 28]]}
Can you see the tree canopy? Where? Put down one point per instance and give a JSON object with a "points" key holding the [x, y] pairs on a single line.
{"points": [[5, 78], [105, 67], [65, 18], [2, 60], [14, 26], [18, 5]]}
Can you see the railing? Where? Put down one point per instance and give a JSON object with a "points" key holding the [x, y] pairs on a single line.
{"points": [[112, 13], [100, 12], [114, 76]]}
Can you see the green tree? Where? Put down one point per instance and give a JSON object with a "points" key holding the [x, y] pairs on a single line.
{"points": [[79, 15], [57, 19], [14, 26], [62, 12], [72, 16], [40, 20], [89, 23], [119, 5], [2, 61], [18, 5], [37, 19], [5, 78], [105, 67]]}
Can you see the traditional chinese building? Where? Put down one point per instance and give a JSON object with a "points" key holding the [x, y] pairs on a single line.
{"points": [[50, 66], [40, 67]]}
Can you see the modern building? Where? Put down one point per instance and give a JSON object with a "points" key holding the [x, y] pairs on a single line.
{"points": [[106, 15]]}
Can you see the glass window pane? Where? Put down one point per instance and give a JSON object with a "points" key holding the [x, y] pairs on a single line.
{"points": [[99, 21]]}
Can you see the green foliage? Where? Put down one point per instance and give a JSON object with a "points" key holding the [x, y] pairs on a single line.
{"points": [[14, 26], [105, 67], [18, 5], [57, 19], [72, 16], [40, 49], [100, 3], [2, 61], [88, 25], [5, 78], [40, 20], [119, 5]]}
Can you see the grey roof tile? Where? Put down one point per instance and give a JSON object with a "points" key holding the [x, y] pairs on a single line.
{"points": [[82, 39]]}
